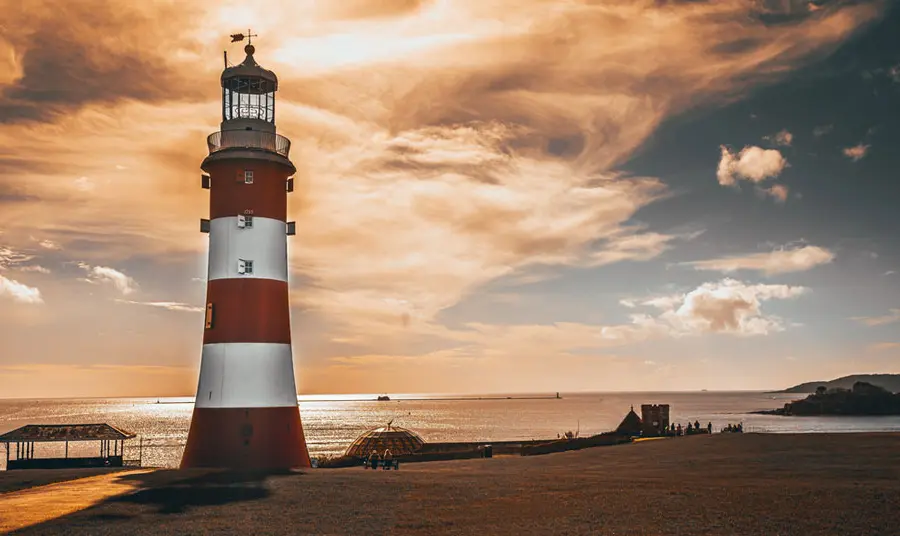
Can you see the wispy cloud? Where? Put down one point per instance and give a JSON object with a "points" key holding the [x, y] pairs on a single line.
{"points": [[780, 261], [778, 192], [49, 244], [170, 306], [11, 258], [892, 317], [34, 268], [782, 137], [19, 292], [857, 152], [123, 283]]}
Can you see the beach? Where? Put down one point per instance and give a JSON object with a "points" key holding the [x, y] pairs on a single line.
{"points": [[721, 484]]}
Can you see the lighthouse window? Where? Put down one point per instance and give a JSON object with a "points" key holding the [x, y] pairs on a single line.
{"points": [[245, 266], [244, 221], [248, 177]]}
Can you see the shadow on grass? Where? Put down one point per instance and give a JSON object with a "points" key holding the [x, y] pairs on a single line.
{"points": [[173, 491]]}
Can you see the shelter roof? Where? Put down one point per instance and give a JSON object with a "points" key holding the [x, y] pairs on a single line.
{"points": [[398, 440], [65, 432]]}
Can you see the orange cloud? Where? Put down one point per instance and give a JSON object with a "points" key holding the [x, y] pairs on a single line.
{"points": [[779, 261]]}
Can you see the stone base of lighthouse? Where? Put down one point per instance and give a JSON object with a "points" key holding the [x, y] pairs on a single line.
{"points": [[246, 438]]}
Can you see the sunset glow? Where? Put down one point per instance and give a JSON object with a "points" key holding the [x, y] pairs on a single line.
{"points": [[491, 195]]}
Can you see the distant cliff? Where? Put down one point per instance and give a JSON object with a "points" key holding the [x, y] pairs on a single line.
{"points": [[891, 382], [862, 399]]}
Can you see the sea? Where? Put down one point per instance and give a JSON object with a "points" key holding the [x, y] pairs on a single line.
{"points": [[332, 422]]}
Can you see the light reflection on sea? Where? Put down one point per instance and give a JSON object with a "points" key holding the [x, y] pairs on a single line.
{"points": [[331, 422]]}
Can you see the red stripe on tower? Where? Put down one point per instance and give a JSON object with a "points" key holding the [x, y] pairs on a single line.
{"points": [[246, 413]]}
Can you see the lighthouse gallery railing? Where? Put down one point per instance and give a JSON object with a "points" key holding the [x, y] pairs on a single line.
{"points": [[248, 139]]}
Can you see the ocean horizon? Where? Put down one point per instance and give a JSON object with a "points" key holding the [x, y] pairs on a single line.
{"points": [[331, 422]]}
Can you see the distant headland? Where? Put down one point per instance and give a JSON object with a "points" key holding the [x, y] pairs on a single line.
{"points": [[863, 399], [890, 382]]}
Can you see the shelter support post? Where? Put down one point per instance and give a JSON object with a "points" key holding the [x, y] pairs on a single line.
{"points": [[67, 449]]}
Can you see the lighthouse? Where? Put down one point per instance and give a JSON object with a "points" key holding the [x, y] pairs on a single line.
{"points": [[245, 413]]}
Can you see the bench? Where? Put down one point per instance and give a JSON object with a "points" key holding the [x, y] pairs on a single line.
{"points": [[391, 464]]}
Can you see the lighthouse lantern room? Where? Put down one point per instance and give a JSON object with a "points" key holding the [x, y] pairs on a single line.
{"points": [[246, 413]]}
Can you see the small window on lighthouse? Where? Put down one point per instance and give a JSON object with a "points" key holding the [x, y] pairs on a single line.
{"points": [[248, 177], [244, 221], [245, 266]]}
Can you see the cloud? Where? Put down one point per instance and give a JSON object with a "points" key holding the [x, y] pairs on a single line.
{"points": [[34, 268], [779, 192], [892, 317], [782, 137], [84, 184], [12, 258], [57, 68], [857, 152], [780, 261], [753, 164], [19, 292], [169, 306], [104, 274], [49, 244], [727, 306]]}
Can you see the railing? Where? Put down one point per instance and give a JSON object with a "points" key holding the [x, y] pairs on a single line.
{"points": [[248, 139]]}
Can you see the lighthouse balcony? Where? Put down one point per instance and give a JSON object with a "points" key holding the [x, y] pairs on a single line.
{"points": [[248, 139]]}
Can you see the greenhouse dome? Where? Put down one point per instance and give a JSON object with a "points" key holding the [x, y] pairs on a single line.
{"points": [[400, 441]]}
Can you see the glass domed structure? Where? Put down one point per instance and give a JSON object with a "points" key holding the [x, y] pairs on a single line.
{"points": [[400, 441]]}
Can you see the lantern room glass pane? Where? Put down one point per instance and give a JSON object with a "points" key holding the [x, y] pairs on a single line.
{"points": [[249, 98]]}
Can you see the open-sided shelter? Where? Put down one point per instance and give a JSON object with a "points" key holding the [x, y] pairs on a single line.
{"points": [[111, 445]]}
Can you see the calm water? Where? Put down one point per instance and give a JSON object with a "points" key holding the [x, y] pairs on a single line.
{"points": [[331, 425]]}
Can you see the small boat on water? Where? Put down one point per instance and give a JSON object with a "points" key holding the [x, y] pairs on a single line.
{"points": [[384, 398]]}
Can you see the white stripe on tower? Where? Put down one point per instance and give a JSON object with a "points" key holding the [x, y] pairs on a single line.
{"points": [[246, 375], [265, 244]]}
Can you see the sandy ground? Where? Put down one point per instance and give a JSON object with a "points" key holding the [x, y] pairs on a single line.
{"points": [[808, 484]]}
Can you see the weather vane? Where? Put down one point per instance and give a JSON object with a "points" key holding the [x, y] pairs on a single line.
{"points": [[240, 37]]}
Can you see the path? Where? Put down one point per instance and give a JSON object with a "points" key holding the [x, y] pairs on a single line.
{"points": [[19, 509]]}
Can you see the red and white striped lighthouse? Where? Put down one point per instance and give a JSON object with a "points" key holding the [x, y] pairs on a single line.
{"points": [[246, 413]]}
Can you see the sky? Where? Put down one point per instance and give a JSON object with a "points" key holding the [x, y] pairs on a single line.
{"points": [[491, 195]]}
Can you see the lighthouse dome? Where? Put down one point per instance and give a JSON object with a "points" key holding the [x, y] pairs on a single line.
{"points": [[250, 69]]}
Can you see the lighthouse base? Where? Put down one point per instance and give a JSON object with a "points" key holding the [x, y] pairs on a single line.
{"points": [[246, 438]]}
